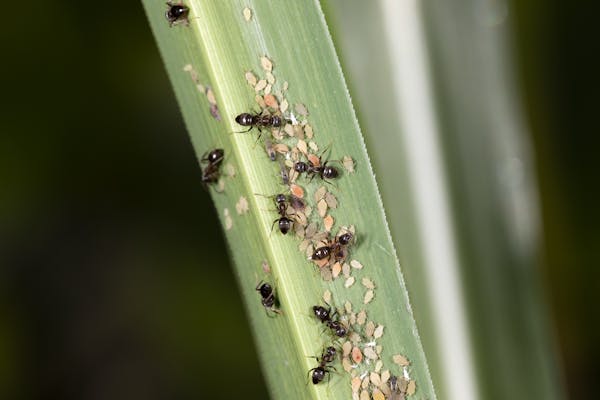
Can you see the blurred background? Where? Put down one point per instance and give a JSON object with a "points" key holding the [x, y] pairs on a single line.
{"points": [[114, 278]]}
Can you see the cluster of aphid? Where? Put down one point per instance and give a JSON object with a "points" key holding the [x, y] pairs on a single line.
{"points": [[352, 337]]}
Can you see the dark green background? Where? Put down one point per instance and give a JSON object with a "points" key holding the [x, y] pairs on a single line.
{"points": [[114, 279]]}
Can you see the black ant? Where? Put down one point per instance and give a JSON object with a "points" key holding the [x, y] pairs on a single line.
{"points": [[210, 173], [324, 315], [177, 13], [284, 223], [259, 121], [324, 171], [282, 202], [317, 167], [269, 301], [336, 249], [318, 373]]}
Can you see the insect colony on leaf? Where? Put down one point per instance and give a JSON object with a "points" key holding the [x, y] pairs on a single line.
{"points": [[293, 211]]}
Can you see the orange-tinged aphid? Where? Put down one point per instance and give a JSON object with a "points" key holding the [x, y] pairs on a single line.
{"points": [[314, 159], [336, 269], [321, 263], [357, 355], [271, 101], [297, 190], [356, 384], [377, 395], [328, 223]]}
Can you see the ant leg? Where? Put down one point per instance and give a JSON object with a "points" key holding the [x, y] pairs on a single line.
{"points": [[308, 373], [246, 131], [258, 138], [272, 226], [204, 156], [269, 297], [336, 161], [212, 176], [327, 181], [326, 149], [219, 160], [273, 310], [335, 312]]}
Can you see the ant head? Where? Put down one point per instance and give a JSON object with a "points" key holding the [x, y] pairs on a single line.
{"points": [[176, 13], [318, 374], [177, 10], [280, 198], [345, 238], [330, 351], [321, 313], [265, 290]]}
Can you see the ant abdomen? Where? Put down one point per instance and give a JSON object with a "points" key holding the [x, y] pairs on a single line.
{"points": [[245, 119], [321, 253], [329, 172]]}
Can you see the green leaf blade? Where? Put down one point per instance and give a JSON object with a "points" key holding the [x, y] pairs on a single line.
{"points": [[220, 45]]}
